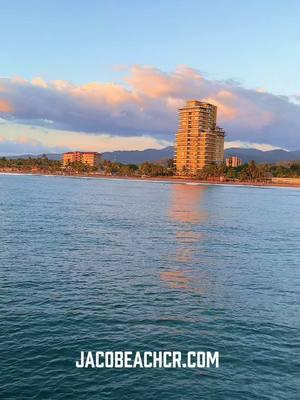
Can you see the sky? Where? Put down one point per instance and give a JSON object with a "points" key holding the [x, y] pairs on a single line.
{"points": [[110, 75]]}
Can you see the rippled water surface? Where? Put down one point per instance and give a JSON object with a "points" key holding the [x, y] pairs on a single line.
{"points": [[91, 264]]}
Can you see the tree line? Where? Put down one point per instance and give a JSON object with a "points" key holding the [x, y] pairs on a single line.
{"points": [[29, 164], [106, 167], [247, 172], [250, 172]]}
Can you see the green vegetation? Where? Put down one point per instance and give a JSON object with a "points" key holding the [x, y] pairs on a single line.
{"points": [[42, 164], [290, 171], [115, 168], [148, 169], [79, 167], [251, 172]]}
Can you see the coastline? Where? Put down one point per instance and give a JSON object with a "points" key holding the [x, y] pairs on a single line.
{"points": [[162, 179]]}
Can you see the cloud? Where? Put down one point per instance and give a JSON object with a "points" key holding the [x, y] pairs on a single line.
{"points": [[24, 144], [5, 106], [39, 82], [146, 105], [20, 138], [250, 145]]}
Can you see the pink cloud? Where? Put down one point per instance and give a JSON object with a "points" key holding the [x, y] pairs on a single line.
{"points": [[39, 82], [147, 104], [155, 83], [225, 112], [5, 106]]}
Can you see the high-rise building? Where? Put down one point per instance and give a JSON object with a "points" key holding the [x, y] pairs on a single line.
{"points": [[220, 136], [199, 142], [90, 158], [233, 162]]}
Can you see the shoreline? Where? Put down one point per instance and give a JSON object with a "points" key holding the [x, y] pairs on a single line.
{"points": [[162, 179]]}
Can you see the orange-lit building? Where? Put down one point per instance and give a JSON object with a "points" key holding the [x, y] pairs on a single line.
{"points": [[233, 162], [199, 141], [90, 158]]}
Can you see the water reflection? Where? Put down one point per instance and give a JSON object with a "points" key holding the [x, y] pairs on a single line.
{"points": [[185, 203], [175, 279], [186, 212]]}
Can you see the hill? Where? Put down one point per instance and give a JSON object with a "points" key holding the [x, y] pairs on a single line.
{"points": [[161, 155], [259, 156], [139, 156], [154, 155]]}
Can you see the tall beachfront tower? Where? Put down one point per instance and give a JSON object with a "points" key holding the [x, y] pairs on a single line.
{"points": [[199, 142]]}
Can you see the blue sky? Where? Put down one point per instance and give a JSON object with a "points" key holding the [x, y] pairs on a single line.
{"points": [[256, 43]]}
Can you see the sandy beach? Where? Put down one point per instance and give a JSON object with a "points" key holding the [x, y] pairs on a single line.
{"points": [[166, 179]]}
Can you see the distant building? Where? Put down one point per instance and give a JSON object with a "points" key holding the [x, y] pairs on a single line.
{"points": [[220, 136], [199, 142], [90, 158], [233, 162]]}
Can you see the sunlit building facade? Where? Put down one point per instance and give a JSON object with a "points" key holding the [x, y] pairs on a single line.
{"points": [[90, 158], [199, 142], [233, 162]]}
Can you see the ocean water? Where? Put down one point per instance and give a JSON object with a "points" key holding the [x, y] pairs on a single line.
{"points": [[89, 265]]}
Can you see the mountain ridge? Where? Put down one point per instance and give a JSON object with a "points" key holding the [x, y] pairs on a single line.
{"points": [[160, 155]]}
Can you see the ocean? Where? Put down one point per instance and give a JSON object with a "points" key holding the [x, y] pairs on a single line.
{"points": [[107, 265]]}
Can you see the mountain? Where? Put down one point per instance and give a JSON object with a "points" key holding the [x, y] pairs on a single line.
{"points": [[259, 156], [154, 155], [125, 157], [50, 156], [139, 156], [161, 155]]}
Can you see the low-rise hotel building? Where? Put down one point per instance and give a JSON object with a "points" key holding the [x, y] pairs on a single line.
{"points": [[199, 141], [233, 162], [90, 158]]}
